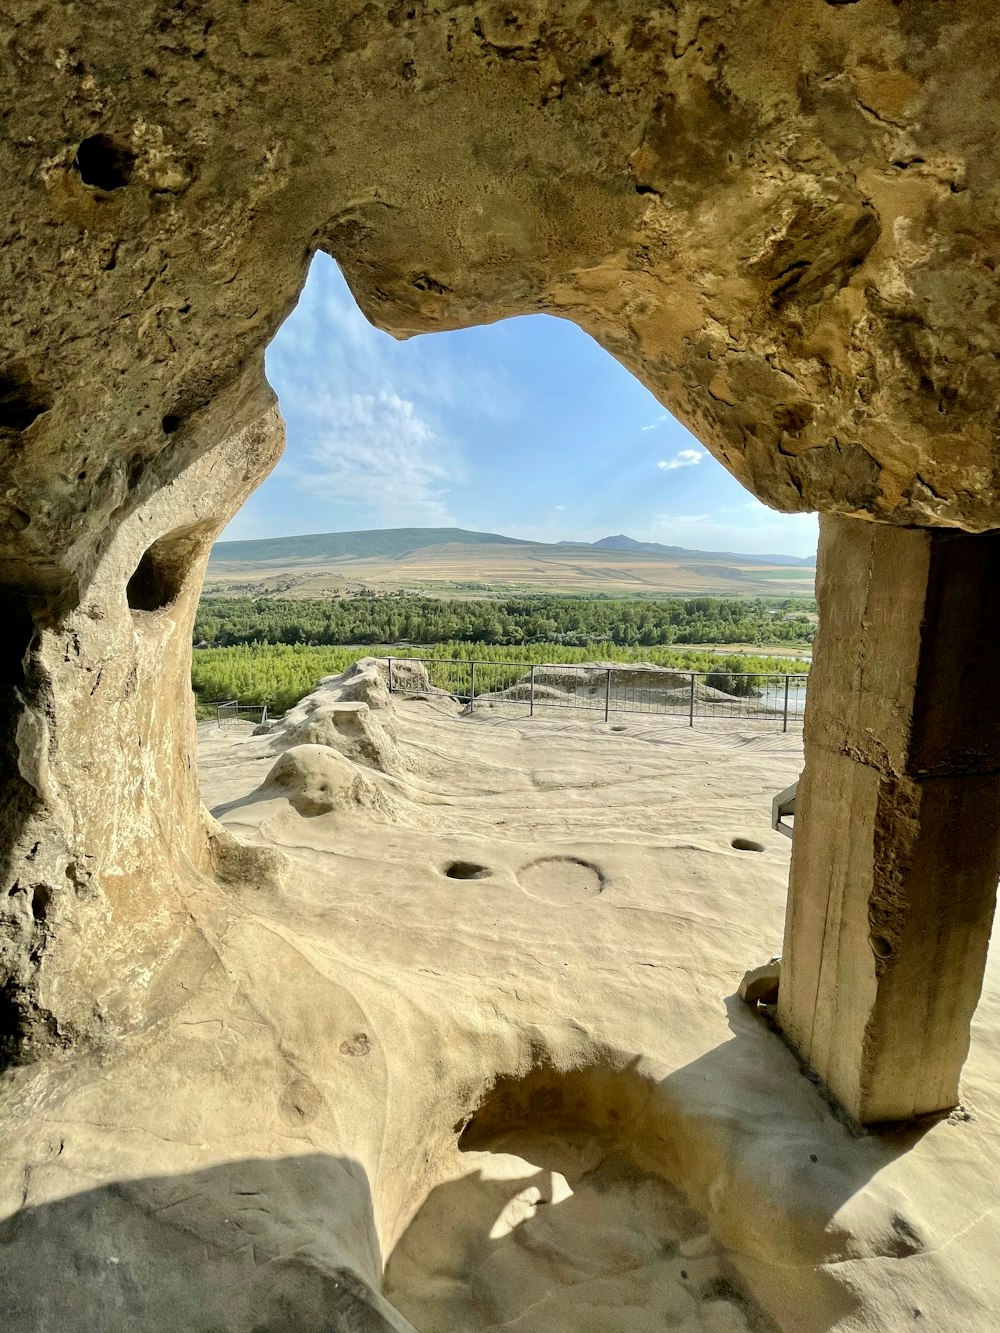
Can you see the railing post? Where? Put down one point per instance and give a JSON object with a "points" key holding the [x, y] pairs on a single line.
{"points": [[607, 696], [390, 675], [784, 725], [691, 703], [531, 707], [472, 687], [264, 717]]}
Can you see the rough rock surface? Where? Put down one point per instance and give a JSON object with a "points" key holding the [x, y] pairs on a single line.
{"points": [[339, 713], [351, 728], [367, 682], [782, 219]]}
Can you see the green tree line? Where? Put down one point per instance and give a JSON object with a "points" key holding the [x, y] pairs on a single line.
{"points": [[512, 621]]}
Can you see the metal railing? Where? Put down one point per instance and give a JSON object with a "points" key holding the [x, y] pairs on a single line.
{"points": [[631, 687], [231, 710]]}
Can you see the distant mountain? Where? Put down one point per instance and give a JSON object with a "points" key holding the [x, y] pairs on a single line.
{"points": [[623, 543], [383, 542], [456, 561], [394, 543]]}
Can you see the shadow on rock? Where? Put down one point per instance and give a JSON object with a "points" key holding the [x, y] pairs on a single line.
{"points": [[253, 1246]]}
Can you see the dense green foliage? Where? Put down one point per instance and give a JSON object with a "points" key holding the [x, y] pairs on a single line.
{"points": [[280, 674], [571, 621]]}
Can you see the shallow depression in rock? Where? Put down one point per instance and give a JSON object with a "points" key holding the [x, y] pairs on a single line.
{"points": [[549, 1225], [562, 879]]}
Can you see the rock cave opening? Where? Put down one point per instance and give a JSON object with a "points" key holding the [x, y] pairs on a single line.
{"points": [[782, 220], [160, 575], [21, 401]]}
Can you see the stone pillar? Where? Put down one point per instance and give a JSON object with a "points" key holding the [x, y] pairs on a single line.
{"points": [[896, 851]]}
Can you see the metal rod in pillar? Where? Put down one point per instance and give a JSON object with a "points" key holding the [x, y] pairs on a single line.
{"points": [[607, 696], [472, 687], [784, 725], [531, 706], [691, 703]]}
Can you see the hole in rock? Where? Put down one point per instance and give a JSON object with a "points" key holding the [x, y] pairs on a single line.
{"points": [[20, 402], [466, 870], [16, 640], [552, 1213], [160, 574], [747, 845], [41, 896], [103, 163]]}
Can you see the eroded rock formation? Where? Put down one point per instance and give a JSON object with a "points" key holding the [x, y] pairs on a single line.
{"points": [[782, 219]]}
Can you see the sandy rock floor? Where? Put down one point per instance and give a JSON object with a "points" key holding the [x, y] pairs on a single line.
{"points": [[482, 1049]]}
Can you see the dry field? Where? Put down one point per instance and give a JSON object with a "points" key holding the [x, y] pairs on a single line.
{"points": [[456, 568]]}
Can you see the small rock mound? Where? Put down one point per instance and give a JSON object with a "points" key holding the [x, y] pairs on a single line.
{"points": [[318, 781], [522, 693], [352, 729], [366, 682]]}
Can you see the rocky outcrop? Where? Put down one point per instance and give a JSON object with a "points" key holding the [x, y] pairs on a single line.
{"points": [[348, 713], [99, 806], [781, 219]]}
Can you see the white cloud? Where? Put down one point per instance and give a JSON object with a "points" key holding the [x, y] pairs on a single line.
{"points": [[686, 458], [364, 430], [658, 422], [379, 449]]}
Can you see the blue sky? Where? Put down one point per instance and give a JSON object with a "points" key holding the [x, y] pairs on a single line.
{"points": [[526, 427]]}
